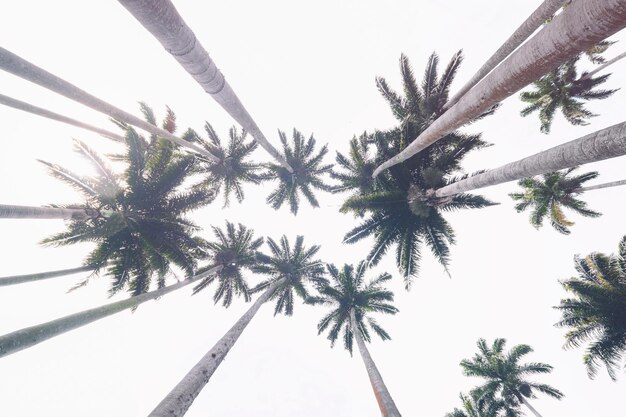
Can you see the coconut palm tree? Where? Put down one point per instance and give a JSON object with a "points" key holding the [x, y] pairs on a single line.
{"points": [[397, 207], [308, 169], [596, 312], [19, 279], [594, 54], [561, 88], [485, 407], [352, 300], [505, 376], [551, 193], [233, 169], [580, 26], [161, 18], [289, 270], [358, 165]]}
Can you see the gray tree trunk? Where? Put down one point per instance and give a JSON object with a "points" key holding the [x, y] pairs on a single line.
{"points": [[603, 144], [30, 336], [530, 407], [605, 185], [24, 69], [179, 399], [161, 18], [580, 26], [19, 279], [385, 402], [27, 212], [17, 104], [545, 11], [603, 66]]}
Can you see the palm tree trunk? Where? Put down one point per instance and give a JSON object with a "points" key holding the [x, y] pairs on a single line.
{"points": [[603, 144], [527, 404], [27, 212], [385, 402], [161, 18], [19, 279], [603, 66], [599, 186], [24, 69], [17, 104], [545, 11], [580, 26], [179, 399], [30, 336]]}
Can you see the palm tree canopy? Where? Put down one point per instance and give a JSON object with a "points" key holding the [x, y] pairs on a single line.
{"points": [[398, 205], [597, 310], [505, 376], [485, 407], [561, 88], [347, 291], [234, 250], [308, 172], [549, 194], [295, 267]]}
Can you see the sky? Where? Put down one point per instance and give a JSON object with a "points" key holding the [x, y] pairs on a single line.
{"points": [[310, 66]]}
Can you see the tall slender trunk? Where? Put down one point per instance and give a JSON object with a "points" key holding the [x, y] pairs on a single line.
{"points": [[19, 279], [24, 69], [603, 66], [179, 399], [527, 404], [30, 336], [161, 18], [545, 11], [580, 26], [385, 402], [27, 212], [603, 144], [17, 104], [599, 186]]}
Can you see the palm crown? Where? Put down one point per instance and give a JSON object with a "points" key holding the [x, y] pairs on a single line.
{"points": [[347, 292], [548, 194], [561, 88], [485, 407], [597, 310]]}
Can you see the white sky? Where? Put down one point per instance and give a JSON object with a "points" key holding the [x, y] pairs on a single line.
{"points": [[310, 66]]}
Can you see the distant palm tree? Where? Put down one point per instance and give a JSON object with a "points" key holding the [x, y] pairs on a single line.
{"points": [[359, 166], [594, 54], [352, 300], [19, 279], [597, 310], [505, 377], [561, 88], [308, 170], [551, 193], [485, 407]]}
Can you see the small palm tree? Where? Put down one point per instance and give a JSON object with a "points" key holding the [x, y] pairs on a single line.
{"points": [[549, 194], [597, 310], [358, 165], [308, 170], [485, 407], [562, 89], [505, 376], [352, 300]]}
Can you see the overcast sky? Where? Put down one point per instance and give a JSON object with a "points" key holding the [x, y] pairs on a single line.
{"points": [[310, 66]]}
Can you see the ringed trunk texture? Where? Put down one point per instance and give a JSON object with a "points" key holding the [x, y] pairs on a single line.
{"points": [[17, 104], [178, 401], [27, 212], [385, 402], [545, 11], [24, 69], [605, 185], [19, 279], [597, 146], [580, 26], [161, 18], [30, 336], [530, 407], [603, 66]]}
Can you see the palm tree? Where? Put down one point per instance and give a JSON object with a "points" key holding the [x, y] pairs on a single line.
{"points": [[352, 299], [289, 270], [505, 376], [549, 194], [580, 26], [597, 146], [8, 211], [596, 312], [232, 169], [17, 104], [24, 69], [486, 407], [307, 172], [397, 207], [561, 88], [594, 54], [604, 65], [19, 279], [161, 18], [359, 166]]}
